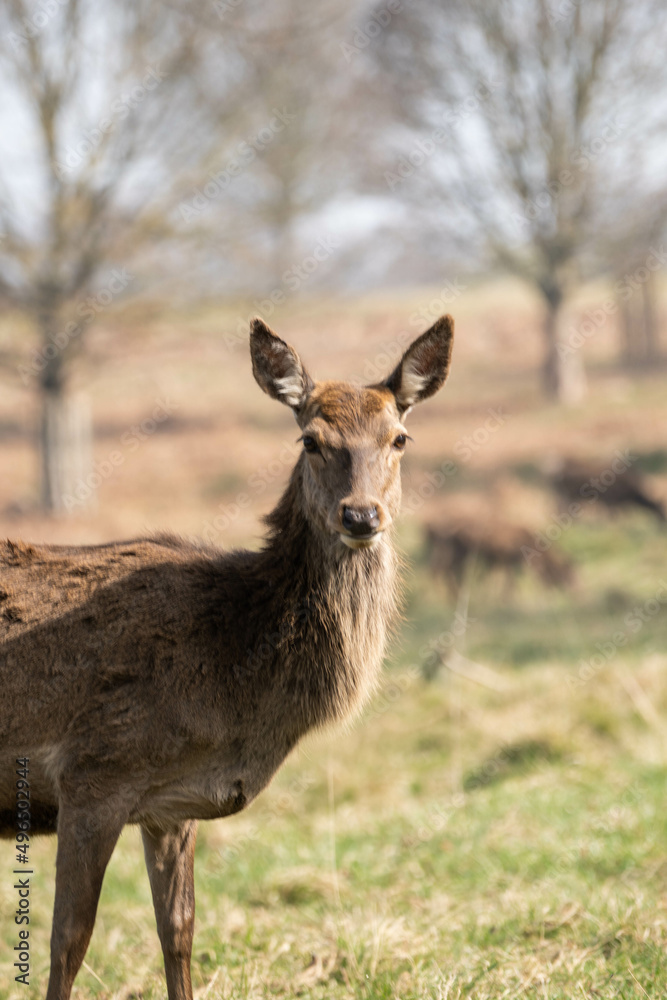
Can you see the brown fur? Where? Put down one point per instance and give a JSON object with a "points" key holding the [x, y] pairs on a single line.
{"points": [[346, 407], [160, 682]]}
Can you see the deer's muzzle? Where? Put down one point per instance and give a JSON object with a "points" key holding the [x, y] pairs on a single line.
{"points": [[362, 526]]}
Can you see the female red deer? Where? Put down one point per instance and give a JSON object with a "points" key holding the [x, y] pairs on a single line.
{"points": [[160, 683]]}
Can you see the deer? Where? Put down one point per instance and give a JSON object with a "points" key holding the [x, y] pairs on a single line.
{"points": [[161, 681], [615, 486], [494, 543]]}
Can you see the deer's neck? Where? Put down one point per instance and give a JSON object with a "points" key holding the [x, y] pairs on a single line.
{"points": [[344, 603]]}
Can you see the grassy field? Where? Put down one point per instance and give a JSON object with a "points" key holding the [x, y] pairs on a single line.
{"points": [[460, 842], [499, 832]]}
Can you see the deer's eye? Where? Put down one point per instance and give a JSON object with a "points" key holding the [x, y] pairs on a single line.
{"points": [[401, 442], [310, 444]]}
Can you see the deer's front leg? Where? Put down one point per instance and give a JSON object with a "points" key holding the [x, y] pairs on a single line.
{"points": [[86, 839], [170, 857]]}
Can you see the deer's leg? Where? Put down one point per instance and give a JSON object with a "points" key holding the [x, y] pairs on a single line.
{"points": [[86, 839], [170, 858]]}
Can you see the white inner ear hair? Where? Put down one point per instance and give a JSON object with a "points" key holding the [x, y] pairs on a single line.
{"points": [[290, 388], [412, 384]]}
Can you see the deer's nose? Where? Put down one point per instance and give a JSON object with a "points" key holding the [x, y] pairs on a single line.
{"points": [[360, 520]]}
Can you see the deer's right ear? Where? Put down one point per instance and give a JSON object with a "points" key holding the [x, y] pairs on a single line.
{"points": [[277, 367]]}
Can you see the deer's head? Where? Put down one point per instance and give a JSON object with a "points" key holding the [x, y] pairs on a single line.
{"points": [[353, 438]]}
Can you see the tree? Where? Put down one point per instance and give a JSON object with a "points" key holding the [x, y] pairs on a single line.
{"points": [[512, 118], [109, 112], [300, 159]]}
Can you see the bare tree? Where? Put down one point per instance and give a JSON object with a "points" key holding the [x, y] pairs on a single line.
{"points": [[109, 111], [509, 121], [298, 135]]}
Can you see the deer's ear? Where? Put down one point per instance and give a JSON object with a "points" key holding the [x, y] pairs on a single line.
{"points": [[277, 367], [424, 366]]}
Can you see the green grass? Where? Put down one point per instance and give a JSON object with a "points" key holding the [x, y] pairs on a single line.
{"points": [[460, 841]]}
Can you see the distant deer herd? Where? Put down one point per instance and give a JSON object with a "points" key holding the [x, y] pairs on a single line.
{"points": [[484, 541], [159, 682]]}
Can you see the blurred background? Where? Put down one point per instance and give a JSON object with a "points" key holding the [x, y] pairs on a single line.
{"points": [[350, 171]]}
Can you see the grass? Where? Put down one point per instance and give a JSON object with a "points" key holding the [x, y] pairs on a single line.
{"points": [[460, 841]]}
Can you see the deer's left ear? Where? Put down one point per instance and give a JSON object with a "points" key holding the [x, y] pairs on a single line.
{"points": [[277, 367], [424, 366]]}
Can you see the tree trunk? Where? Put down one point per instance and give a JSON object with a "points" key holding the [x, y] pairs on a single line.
{"points": [[563, 374], [640, 339], [65, 440], [630, 335], [651, 336]]}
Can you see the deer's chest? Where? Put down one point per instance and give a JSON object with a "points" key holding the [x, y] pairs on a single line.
{"points": [[211, 788]]}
